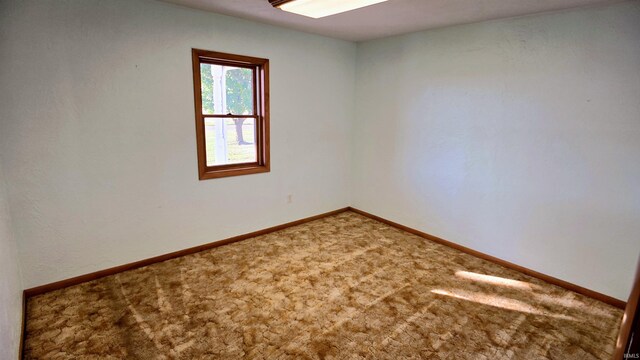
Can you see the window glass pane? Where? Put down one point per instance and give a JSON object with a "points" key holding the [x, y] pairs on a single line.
{"points": [[230, 141], [226, 89]]}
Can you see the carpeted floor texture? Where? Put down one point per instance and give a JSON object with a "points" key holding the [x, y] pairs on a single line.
{"points": [[343, 287]]}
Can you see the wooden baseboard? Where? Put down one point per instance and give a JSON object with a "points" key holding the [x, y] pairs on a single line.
{"points": [[138, 264], [550, 279], [134, 265]]}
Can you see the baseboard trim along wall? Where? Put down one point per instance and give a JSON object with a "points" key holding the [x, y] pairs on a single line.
{"points": [[138, 264], [550, 279], [134, 265]]}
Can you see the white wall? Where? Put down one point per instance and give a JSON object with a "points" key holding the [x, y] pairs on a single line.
{"points": [[98, 138], [519, 138], [10, 282]]}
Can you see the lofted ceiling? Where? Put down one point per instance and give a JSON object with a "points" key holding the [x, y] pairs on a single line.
{"points": [[389, 18]]}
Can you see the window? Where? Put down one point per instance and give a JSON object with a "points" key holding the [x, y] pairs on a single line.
{"points": [[232, 114]]}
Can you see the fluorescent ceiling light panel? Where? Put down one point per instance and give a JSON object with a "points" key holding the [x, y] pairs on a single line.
{"points": [[321, 8]]}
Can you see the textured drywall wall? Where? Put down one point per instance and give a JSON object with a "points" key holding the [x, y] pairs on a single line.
{"points": [[10, 282], [515, 137], [519, 138], [98, 136]]}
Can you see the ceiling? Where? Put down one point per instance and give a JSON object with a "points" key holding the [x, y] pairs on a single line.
{"points": [[389, 18]]}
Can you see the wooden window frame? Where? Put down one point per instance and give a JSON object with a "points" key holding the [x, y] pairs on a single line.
{"points": [[260, 113]]}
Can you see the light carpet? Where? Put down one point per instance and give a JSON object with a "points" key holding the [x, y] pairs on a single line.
{"points": [[343, 287]]}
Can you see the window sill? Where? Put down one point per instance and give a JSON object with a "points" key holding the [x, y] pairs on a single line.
{"points": [[235, 171]]}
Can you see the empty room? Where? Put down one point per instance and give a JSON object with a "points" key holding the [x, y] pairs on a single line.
{"points": [[320, 179]]}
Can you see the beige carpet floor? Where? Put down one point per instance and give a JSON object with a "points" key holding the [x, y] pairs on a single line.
{"points": [[343, 287]]}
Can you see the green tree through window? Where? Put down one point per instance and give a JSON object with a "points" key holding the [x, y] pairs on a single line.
{"points": [[239, 95], [206, 88]]}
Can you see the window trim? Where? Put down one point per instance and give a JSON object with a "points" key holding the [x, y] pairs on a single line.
{"points": [[260, 67]]}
